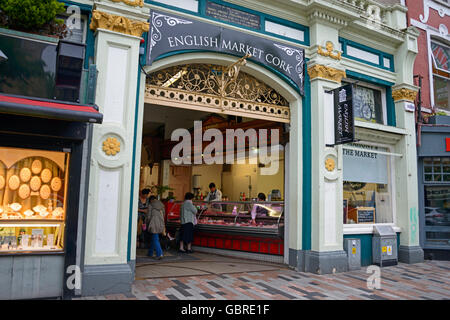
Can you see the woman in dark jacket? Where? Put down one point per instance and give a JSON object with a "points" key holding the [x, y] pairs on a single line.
{"points": [[156, 226], [188, 218]]}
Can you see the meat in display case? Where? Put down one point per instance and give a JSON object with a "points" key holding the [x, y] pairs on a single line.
{"points": [[264, 219], [32, 200]]}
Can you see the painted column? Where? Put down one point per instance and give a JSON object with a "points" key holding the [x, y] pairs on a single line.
{"points": [[118, 29], [404, 94], [324, 69]]}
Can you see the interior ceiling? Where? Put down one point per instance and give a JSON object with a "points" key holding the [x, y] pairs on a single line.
{"points": [[156, 116]]}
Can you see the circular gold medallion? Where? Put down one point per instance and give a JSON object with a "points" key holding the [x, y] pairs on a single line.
{"points": [[25, 175], [56, 184], [14, 182], [36, 166], [35, 183], [45, 192], [24, 191], [2, 182], [46, 175], [330, 164]]}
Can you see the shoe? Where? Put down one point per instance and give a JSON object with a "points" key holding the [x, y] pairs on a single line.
{"points": [[160, 257], [182, 251], [190, 251]]}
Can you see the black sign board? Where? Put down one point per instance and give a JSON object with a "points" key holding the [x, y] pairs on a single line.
{"points": [[366, 215], [344, 121], [225, 13], [171, 33]]}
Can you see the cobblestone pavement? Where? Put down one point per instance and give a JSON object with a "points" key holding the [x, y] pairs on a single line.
{"points": [[423, 281]]}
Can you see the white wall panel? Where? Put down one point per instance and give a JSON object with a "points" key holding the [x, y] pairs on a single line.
{"points": [[115, 84], [329, 213], [107, 210]]}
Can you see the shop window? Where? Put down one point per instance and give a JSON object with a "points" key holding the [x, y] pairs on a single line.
{"points": [[367, 185], [369, 103], [441, 75], [436, 170], [437, 215], [32, 200]]}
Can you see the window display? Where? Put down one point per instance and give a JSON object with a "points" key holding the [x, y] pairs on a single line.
{"points": [[32, 200], [367, 187], [258, 218], [367, 105]]}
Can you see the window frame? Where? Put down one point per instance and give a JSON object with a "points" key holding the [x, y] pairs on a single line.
{"points": [[433, 37], [373, 87], [356, 228]]}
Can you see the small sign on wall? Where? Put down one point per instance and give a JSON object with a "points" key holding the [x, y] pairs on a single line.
{"points": [[447, 144], [410, 107]]}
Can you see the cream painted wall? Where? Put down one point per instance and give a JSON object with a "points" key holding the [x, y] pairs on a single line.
{"points": [[208, 174], [147, 178]]}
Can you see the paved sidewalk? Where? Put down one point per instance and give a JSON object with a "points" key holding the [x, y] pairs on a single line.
{"points": [[244, 279]]}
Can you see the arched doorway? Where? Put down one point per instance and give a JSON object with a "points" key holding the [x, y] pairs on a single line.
{"points": [[198, 86]]}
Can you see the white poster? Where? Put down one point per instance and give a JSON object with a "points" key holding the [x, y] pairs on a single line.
{"points": [[365, 166]]}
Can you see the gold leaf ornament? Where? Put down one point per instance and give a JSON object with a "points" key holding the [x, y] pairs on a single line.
{"points": [[330, 164], [111, 146]]}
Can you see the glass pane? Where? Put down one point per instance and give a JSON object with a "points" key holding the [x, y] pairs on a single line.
{"points": [[441, 56], [427, 161], [446, 177], [32, 199], [428, 169], [441, 90], [437, 206], [438, 238], [437, 177], [428, 177], [367, 104], [367, 203]]}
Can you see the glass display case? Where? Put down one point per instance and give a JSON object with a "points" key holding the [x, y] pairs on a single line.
{"points": [[32, 200], [244, 217]]}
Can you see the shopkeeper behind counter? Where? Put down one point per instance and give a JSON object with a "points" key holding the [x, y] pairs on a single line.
{"points": [[259, 210], [214, 194]]}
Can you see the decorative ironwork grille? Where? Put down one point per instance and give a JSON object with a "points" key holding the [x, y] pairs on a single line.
{"points": [[213, 86]]}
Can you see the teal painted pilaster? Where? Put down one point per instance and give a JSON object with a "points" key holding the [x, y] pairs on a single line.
{"points": [[306, 204]]}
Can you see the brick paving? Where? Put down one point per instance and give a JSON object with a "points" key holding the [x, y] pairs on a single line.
{"points": [[423, 281]]}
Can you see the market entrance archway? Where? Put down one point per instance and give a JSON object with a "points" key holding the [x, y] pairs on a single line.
{"points": [[197, 82]]}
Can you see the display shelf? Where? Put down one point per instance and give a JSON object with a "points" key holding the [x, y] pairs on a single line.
{"points": [[29, 221]]}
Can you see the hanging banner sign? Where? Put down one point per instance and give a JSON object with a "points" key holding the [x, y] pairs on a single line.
{"points": [[170, 33], [344, 121]]}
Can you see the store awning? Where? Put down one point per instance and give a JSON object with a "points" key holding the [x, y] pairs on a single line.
{"points": [[51, 109]]}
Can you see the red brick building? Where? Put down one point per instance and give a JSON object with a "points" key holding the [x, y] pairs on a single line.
{"points": [[432, 64], [432, 18]]}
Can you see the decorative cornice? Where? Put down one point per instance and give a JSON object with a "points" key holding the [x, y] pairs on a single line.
{"points": [[404, 94], [133, 3], [322, 15], [329, 51], [103, 20], [324, 72]]}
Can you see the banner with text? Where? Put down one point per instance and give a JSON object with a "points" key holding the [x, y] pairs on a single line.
{"points": [[171, 33]]}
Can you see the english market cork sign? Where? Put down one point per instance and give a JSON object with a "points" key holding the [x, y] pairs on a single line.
{"points": [[170, 33]]}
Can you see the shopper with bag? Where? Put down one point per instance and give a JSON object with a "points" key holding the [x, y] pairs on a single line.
{"points": [[156, 226], [188, 219]]}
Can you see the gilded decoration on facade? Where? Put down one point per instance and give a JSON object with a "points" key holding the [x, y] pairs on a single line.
{"points": [[330, 164], [133, 3], [120, 24], [329, 51], [324, 72], [217, 87], [111, 146], [208, 79], [404, 94]]}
